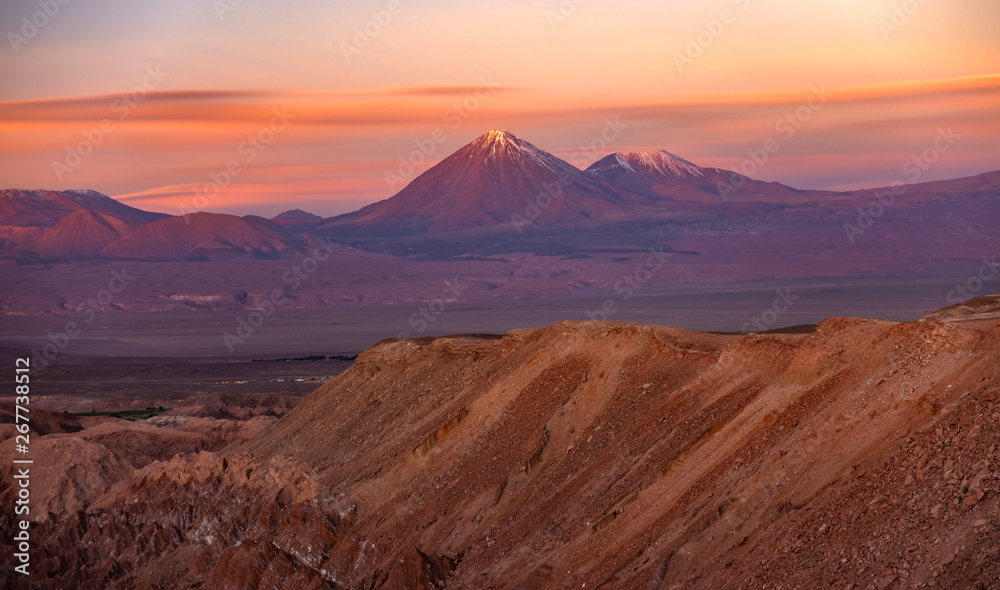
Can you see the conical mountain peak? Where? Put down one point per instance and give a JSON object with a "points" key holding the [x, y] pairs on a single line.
{"points": [[659, 163], [498, 135], [498, 138], [503, 148]]}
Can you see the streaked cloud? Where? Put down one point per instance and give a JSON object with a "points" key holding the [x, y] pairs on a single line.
{"points": [[340, 145]]}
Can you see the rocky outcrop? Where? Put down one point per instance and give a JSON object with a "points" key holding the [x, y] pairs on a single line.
{"points": [[67, 474], [978, 309], [864, 454]]}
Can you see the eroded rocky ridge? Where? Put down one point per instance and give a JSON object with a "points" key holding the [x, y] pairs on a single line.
{"points": [[599, 454]]}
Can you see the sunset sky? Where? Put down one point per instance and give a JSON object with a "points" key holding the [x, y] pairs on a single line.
{"points": [[325, 105]]}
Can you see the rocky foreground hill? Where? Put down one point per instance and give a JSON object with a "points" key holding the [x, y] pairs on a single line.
{"points": [[580, 455]]}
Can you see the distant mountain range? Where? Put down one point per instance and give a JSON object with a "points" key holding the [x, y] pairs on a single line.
{"points": [[500, 179], [43, 208], [86, 225], [500, 194]]}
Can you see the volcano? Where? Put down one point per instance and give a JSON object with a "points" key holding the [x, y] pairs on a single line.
{"points": [[497, 179], [659, 174]]}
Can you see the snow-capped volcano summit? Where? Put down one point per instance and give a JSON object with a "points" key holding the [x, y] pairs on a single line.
{"points": [[497, 136], [505, 145], [652, 163], [660, 174]]}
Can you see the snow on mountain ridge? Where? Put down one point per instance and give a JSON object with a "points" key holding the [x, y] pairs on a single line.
{"points": [[492, 140], [87, 197], [624, 163], [653, 163], [663, 162]]}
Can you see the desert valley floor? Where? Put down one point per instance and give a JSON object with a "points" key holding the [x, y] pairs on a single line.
{"points": [[349, 329]]}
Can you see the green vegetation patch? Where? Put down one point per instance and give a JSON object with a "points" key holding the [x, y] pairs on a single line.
{"points": [[313, 357]]}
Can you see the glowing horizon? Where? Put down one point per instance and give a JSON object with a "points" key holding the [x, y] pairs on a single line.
{"points": [[182, 90]]}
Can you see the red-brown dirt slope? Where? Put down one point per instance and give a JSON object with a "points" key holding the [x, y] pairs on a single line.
{"points": [[599, 454]]}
